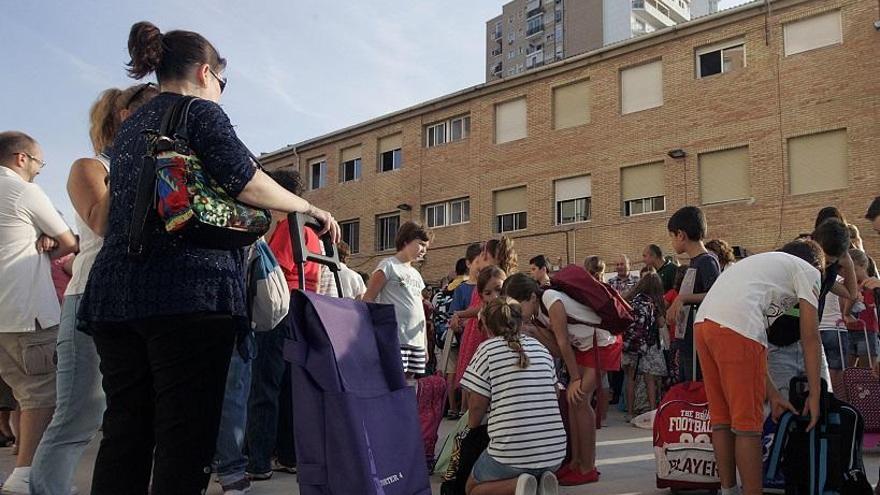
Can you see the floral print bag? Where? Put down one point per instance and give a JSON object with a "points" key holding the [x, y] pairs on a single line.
{"points": [[188, 200]]}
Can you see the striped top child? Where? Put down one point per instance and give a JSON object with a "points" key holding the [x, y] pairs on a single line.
{"points": [[525, 427]]}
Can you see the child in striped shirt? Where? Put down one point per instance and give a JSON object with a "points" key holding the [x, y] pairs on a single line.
{"points": [[513, 377]]}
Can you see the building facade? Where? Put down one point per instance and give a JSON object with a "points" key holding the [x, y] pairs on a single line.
{"points": [[532, 33], [760, 116]]}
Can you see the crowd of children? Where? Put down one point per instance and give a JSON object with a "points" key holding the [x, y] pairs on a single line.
{"points": [[518, 347]]}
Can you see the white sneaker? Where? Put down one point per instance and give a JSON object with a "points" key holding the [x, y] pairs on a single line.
{"points": [[22, 486], [526, 484], [549, 484]]}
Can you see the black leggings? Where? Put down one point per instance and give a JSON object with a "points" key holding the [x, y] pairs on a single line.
{"points": [[165, 380]]}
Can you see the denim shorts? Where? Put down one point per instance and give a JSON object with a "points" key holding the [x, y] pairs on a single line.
{"points": [[832, 347], [858, 346], [488, 469]]}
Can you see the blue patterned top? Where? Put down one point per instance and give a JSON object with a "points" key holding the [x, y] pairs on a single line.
{"points": [[173, 276]]}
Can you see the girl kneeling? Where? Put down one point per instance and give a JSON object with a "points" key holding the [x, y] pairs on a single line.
{"points": [[513, 378]]}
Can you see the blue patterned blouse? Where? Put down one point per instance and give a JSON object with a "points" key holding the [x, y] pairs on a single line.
{"points": [[173, 276]]}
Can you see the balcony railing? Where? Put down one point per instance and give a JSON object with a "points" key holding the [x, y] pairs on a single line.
{"points": [[533, 7], [496, 52]]}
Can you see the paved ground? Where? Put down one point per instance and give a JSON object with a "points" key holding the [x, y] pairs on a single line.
{"points": [[625, 460]]}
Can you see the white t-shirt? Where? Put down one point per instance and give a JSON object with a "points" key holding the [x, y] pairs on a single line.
{"points": [[758, 289], [403, 289], [832, 318], [525, 427], [26, 292], [352, 283], [580, 336]]}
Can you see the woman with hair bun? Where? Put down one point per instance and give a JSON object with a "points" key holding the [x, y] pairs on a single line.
{"points": [[165, 322], [80, 400]]}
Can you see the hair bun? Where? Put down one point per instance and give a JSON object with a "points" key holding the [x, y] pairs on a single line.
{"points": [[145, 49]]}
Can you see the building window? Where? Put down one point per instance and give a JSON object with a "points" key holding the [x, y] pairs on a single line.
{"points": [[351, 234], [498, 26], [813, 32], [724, 175], [350, 164], [571, 105], [510, 222], [818, 162], [573, 198], [641, 87], [510, 121], [510, 210], [447, 213], [717, 60], [558, 16], [643, 189], [350, 170], [390, 155], [454, 129], [641, 206], [386, 232], [317, 173], [534, 25], [459, 211]]}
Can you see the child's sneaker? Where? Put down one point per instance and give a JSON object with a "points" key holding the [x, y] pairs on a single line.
{"points": [[240, 487], [549, 484], [282, 468], [259, 476], [526, 484]]}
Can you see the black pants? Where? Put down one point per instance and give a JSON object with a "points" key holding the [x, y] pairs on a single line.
{"points": [[165, 379]]}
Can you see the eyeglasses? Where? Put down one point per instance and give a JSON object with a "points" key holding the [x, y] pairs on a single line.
{"points": [[32, 157], [221, 80], [139, 92]]}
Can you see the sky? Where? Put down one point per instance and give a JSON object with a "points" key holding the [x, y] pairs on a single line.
{"points": [[296, 68]]}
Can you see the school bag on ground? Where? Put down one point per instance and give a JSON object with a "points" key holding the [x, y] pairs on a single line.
{"points": [[268, 294], [355, 419], [860, 386], [683, 440], [575, 282], [827, 460], [445, 454], [431, 397], [469, 445]]}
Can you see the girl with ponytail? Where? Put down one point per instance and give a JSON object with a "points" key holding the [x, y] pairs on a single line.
{"points": [[80, 401], [513, 378]]}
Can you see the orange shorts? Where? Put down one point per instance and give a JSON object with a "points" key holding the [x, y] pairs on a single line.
{"points": [[734, 374]]}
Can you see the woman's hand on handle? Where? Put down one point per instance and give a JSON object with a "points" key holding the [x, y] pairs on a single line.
{"points": [[328, 222]]}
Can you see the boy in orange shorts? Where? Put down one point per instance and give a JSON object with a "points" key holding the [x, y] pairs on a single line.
{"points": [[731, 339]]}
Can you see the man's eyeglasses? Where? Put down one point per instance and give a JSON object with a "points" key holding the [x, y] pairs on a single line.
{"points": [[32, 157], [221, 80], [133, 98]]}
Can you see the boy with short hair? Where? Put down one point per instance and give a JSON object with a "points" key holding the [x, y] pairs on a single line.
{"points": [[539, 267], [731, 339], [687, 229]]}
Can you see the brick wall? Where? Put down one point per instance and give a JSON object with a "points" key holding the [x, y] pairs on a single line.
{"points": [[773, 98]]}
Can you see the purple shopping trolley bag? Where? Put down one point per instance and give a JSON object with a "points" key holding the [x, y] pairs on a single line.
{"points": [[356, 423]]}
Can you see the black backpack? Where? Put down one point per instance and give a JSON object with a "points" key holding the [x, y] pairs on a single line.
{"points": [[826, 460]]}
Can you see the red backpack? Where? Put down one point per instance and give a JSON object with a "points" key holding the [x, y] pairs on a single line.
{"points": [[575, 282]]}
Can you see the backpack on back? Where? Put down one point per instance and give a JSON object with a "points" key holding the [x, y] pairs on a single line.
{"points": [[575, 282]]}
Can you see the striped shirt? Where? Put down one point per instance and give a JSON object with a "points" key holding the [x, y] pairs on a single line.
{"points": [[525, 427]]}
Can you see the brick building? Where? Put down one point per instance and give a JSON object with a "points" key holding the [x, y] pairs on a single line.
{"points": [[761, 115]]}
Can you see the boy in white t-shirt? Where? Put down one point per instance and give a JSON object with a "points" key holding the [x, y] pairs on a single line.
{"points": [[396, 282], [731, 339]]}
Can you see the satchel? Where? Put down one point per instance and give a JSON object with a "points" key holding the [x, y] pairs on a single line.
{"points": [[185, 197], [268, 293]]}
